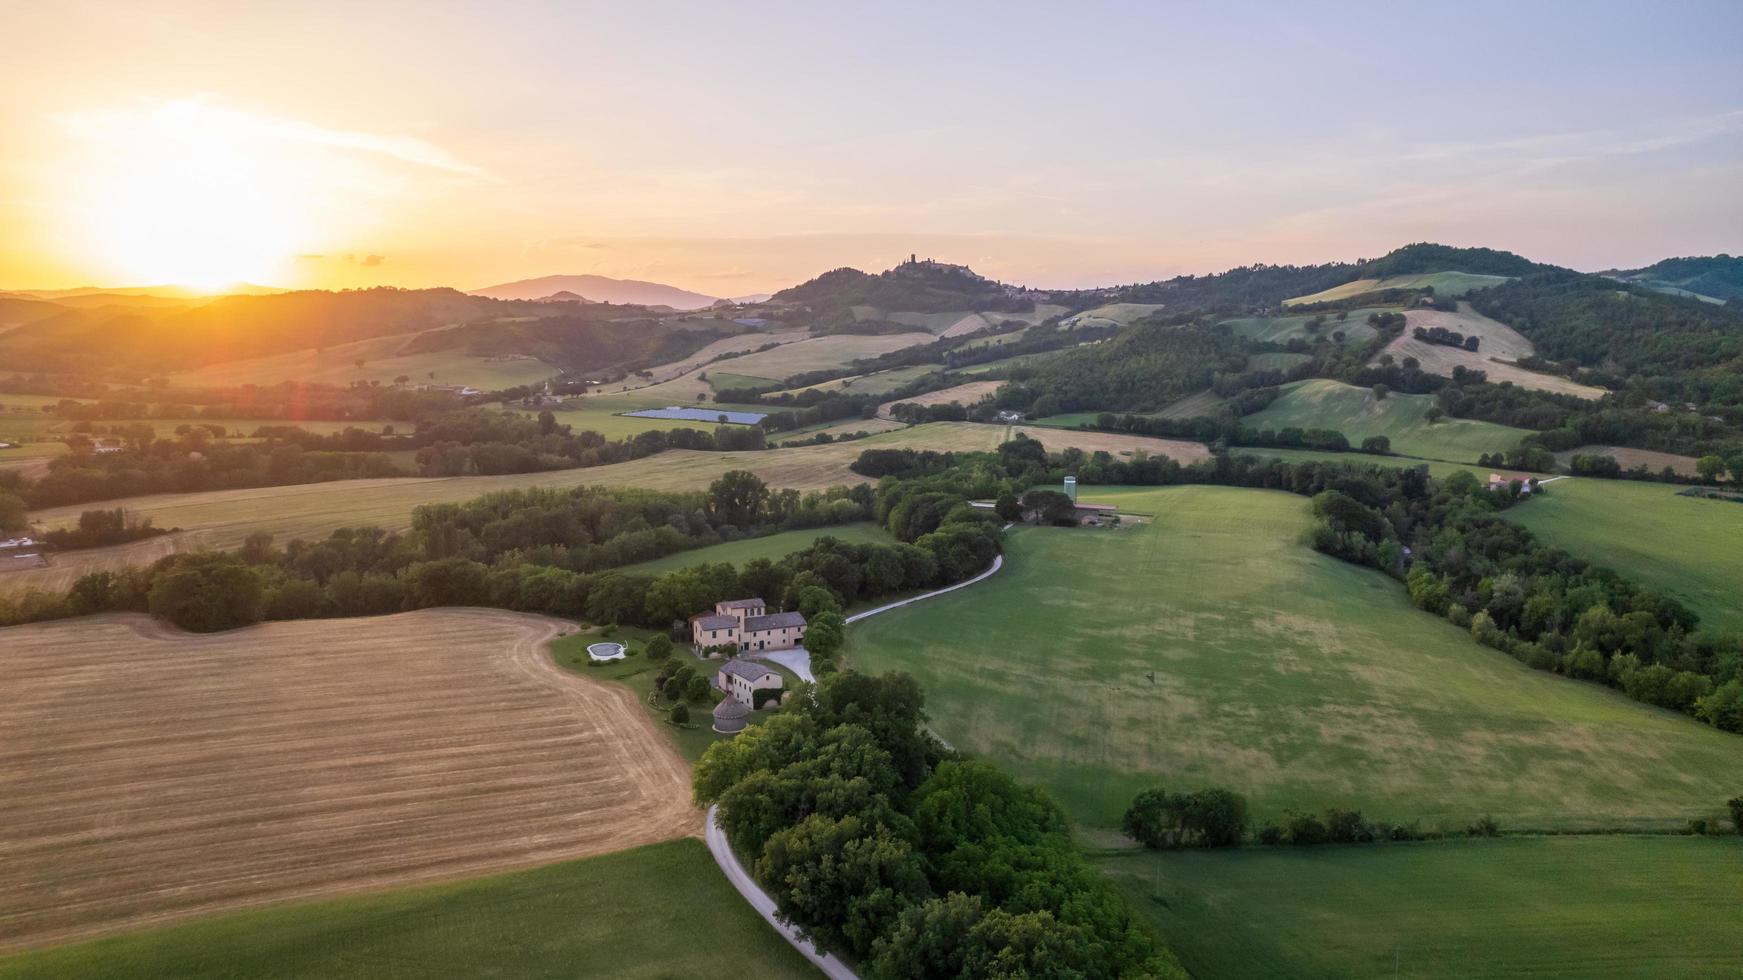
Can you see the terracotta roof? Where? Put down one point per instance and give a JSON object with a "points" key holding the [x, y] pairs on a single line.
{"points": [[773, 621]]}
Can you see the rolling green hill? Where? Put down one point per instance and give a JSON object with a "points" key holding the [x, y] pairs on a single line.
{"points": [[1625, 907], [768, 546], [1282, 329], [1686, 547], [653, 912], [1448, 284], [1213, 647], [1323, 404]]}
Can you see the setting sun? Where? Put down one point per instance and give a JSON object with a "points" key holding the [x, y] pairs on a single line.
{"points": [[182, 194]]}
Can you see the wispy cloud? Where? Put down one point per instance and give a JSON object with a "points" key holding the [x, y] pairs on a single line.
{"points": [[204, 115]]}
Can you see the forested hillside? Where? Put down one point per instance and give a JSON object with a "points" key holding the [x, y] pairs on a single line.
{"points": [[234, 327], [1678, 348], [1719, 276]]}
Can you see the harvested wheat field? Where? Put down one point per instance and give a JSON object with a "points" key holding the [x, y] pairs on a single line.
{"points": [[1631, 458], [1501, 345], [967, 394], [148, 775]]}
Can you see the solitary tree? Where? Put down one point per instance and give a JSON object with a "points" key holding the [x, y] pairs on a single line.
{"points": [[680, 714], [1380, 392]]}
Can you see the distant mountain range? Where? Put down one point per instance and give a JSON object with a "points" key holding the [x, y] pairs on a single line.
{"points": [[601, 289]]}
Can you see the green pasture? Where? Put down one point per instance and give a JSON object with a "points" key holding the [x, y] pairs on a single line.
{"points": [[1687, 547], [1282, 329], [1323, 404], [1608, 906], [1213, 647], [654, 912], [771, 546]]}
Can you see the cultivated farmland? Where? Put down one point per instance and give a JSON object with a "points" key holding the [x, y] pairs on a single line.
{"points": [[1282, 329], [1323, 404], [632, 914], [153, 775], [1611, 906], [221, 519], [1212, 647], [966, 394], [382, 362], [1445, 284], [1500, 346]]}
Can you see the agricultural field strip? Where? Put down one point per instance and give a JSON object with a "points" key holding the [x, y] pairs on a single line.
{"points": [[223, 518], [298, 759]]}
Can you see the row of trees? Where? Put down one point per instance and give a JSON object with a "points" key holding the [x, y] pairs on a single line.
{"points": [[886, 847], [547, 551]]}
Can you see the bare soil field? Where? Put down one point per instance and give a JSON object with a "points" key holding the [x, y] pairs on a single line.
{"points": [[1501, 345], [969, 393], [1630, 458], [150, 775]]}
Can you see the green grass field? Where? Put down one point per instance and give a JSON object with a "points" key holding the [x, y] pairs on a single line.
{"points": [[1436, 468], [768, 546], [1323, 404], [879, 383], [654, 912], [1214, 648], [1625, 907], [1446, 284], [1282, 329], [1282, 361], [1685, 546], [604, 413]]}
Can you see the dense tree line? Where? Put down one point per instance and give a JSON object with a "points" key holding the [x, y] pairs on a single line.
{"points": [[553, 551], [469, 443], [886, 847]]}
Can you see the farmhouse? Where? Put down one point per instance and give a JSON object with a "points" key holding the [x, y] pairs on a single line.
{"points": [[747, 623], [741, 679], [1500, 481]]}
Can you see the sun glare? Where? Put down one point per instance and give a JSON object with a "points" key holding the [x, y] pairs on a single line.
{"points": [[182, 194]]}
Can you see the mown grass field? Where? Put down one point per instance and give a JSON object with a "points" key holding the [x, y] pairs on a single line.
{"points": [[1212, 647], [770, 546], [1282, 329], [1324, 404], [654, 912], [1687, 547], [1444, 284], [603, 413], [1626, 907]]}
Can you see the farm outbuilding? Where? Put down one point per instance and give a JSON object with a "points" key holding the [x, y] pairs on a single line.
{"points": [[729, 716], [741, 679]]}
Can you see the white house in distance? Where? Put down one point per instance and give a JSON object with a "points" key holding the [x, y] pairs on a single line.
{"points": [[1501, 481], [741, 679], [747, 623]]}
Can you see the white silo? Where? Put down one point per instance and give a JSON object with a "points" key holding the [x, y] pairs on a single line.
{"points": [[1071, 488]]}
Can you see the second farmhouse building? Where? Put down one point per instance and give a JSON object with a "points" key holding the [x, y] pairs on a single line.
{"points": [[749, 624]]}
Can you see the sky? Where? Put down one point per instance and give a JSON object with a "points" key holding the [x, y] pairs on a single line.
{"points": [[740, 148]]}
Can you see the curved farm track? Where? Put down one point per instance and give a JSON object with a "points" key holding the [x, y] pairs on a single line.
{"points": [[148, 775]]}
